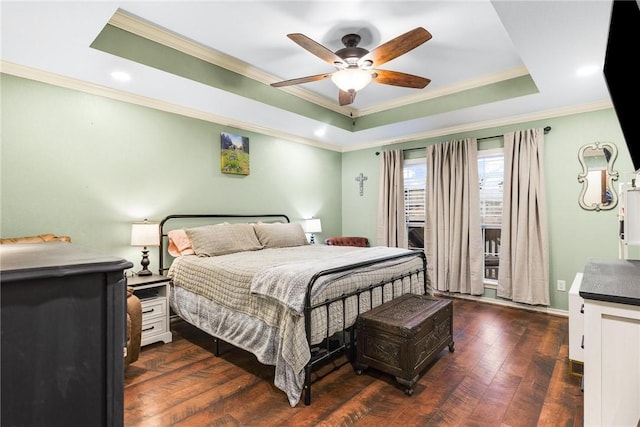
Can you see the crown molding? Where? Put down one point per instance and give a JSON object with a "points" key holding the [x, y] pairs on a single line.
{"points": [[94, 89], [444, 91], [83, 86], [149, 31], [506, 121]]}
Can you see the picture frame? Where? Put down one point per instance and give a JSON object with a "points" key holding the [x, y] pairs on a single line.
{"points": [[234, 154]]}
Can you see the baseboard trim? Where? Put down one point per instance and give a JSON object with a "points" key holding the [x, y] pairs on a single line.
{"points": [[505, 303]]}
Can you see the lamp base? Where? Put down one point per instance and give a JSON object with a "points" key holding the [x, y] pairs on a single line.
{"points": [[145, 263]]}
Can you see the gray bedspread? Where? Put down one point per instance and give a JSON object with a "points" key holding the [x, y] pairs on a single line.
{"points": [[255, 299]]}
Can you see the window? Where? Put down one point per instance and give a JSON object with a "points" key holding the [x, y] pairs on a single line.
{"points": [[491, 177], [415, 176]]}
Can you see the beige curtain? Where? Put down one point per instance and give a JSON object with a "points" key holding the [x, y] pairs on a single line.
{"points": [[453, 236], [392, 228], [523, 275]]}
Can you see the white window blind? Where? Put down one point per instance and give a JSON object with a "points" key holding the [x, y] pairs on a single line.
{"points": [[415, 175], [491, 176]]}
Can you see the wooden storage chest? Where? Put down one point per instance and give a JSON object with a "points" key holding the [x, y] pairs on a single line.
{"points": [[401, 337]]}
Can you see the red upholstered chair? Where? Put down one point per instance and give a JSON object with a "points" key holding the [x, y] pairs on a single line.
{"points": [[362, 242]]}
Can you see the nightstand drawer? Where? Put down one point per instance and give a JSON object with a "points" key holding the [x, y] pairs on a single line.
{"points": [[154, 307], [153, 327]]}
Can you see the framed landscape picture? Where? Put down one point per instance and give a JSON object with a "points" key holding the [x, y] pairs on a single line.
{"points": [[234, 154]]}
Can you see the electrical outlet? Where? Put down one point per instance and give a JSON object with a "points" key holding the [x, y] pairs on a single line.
{"points": [[562, 285]]}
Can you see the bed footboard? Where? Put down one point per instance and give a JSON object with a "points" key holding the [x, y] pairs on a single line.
{"points": [[345, 340]]}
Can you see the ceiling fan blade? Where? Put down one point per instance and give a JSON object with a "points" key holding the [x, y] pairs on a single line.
{"points": [[396, 78], [300, 80], [395, 47], [346, 98], [317, 49]]}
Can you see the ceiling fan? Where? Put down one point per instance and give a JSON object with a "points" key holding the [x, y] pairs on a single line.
{"points": [[356, 66]]}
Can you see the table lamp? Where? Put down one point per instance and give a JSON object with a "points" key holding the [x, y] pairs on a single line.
{"points": [[312, 225], [145, 234]]}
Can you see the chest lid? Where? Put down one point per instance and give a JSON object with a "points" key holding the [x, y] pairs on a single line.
{"points": [[406, 312]]}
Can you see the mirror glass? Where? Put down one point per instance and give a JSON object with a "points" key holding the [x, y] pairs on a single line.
{"points": [[598, 192]]}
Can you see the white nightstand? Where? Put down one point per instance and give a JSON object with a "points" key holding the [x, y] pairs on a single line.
{"points": [[153, 292]]}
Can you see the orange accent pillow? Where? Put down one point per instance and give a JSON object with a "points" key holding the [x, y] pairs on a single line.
{"points": [[179, 243]]}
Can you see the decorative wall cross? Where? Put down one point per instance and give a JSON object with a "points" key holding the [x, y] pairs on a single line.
{"points": [[361, 179]]}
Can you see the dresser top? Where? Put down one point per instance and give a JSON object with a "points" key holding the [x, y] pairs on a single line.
{"points": [[24, 261], [612, 280]]}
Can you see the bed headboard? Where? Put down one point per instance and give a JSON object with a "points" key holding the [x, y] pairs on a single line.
{"points": [[178, 221]]}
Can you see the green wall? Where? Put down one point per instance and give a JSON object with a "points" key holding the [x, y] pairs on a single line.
{"points": [[87, 166], [574, 234]]}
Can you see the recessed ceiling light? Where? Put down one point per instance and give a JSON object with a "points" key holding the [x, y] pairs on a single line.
{"points": [[320, 132], [587, 70], [121, 76]]}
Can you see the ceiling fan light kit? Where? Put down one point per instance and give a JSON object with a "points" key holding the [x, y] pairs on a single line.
{"points": [[351, 79], [356, 66]]}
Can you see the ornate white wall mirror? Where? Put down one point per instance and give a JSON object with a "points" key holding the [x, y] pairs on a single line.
{"points": [[598, 192]]}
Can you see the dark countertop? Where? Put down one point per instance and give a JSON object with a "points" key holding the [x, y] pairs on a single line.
{"points": [[612, 280]]}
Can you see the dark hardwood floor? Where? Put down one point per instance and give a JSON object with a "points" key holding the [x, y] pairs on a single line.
{"points": [[510, 368]]}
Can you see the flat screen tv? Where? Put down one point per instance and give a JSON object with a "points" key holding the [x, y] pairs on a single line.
{"points": [[621, 74]]}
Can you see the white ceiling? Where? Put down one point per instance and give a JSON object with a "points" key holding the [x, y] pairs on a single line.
{"points": [[474, 42]]}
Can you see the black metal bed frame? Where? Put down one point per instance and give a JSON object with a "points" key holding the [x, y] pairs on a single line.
{"points": [[345, 340]]}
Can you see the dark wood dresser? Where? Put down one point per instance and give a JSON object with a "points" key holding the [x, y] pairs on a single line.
{"points": [[63, 332], [402, 336]]}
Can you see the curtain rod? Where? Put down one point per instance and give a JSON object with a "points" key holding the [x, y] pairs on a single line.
{"points": [[546, 131]]}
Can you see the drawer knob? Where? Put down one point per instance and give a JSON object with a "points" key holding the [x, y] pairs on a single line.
{"points": [[149, 311]]}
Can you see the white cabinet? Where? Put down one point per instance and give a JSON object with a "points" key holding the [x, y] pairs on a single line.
{"points": [[611, 292], [576, 327], [612, 364]]}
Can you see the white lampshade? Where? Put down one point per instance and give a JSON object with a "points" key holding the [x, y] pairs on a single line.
{"points": [[313, 225], [145, 234], [351, 79]]}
